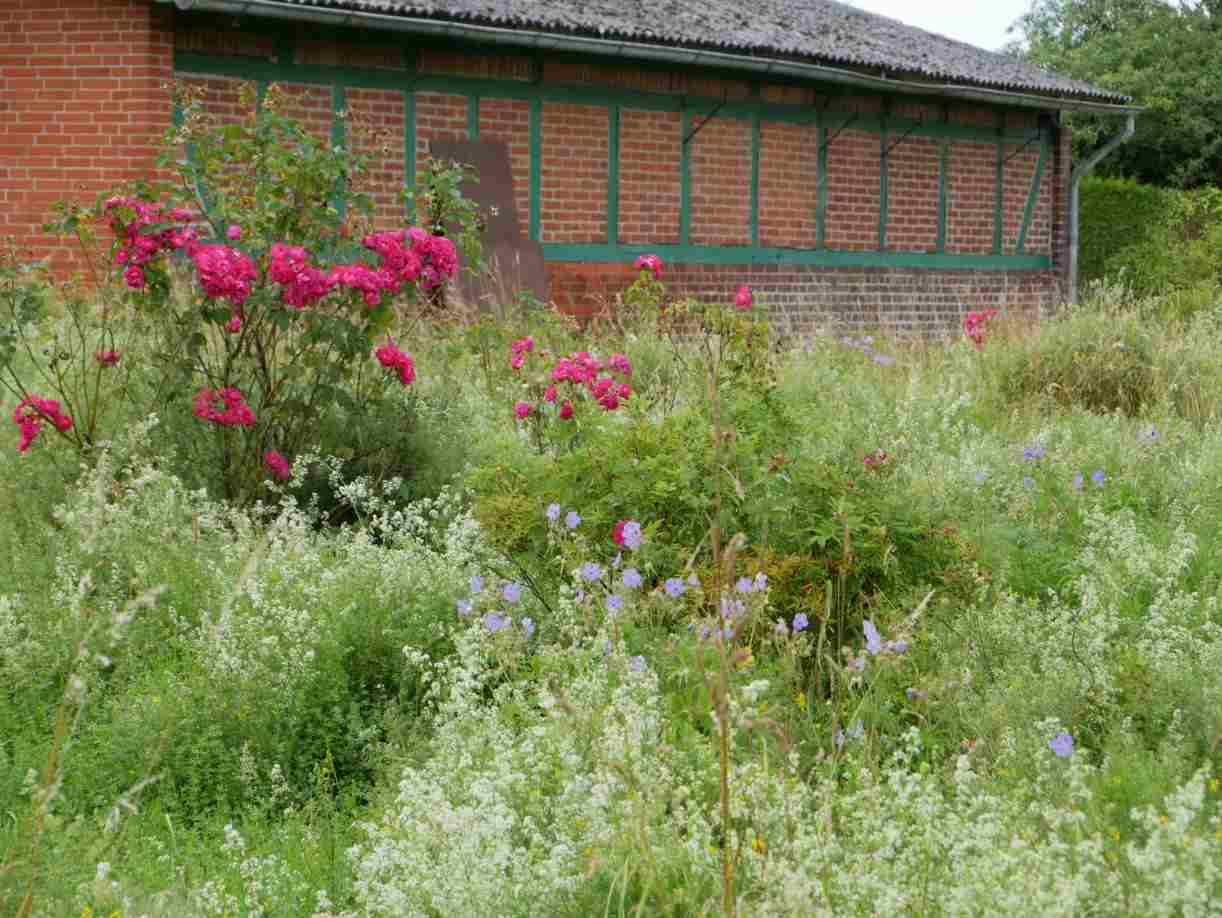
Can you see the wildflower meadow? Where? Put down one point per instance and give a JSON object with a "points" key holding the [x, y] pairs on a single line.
{"points": [[328, 594]]}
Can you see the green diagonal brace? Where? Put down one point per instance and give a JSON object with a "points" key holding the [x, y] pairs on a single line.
{"points": [[1032, 196]]}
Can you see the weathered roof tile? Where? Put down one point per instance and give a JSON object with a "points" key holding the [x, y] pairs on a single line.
{"points": [[817, 31]]}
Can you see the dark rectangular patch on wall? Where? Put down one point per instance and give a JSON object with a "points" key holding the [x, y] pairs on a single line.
{"points": [[513, 263]]}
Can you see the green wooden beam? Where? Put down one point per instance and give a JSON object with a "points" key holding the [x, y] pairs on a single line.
{"points": [[745, 109], [761, 255], [1032, 197], [409, 147], [685, 179], [883, 190], [339, 100], [473, 116], [536, 166], [755, 177], [409, 132], [999, 193], [613, 175], [943, 169], [821, 191]]}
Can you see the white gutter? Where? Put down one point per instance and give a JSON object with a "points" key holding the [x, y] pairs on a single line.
{"points": [[1079, 172], [543, 41]]}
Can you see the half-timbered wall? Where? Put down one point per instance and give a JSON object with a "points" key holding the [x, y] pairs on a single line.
{"points": [[862, 208]]}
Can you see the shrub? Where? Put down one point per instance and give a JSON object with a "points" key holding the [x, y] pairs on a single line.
{"points": [[240, 288], [1094, 360]]}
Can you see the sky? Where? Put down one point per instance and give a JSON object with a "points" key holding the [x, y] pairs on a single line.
{"points": [[978, 22]]}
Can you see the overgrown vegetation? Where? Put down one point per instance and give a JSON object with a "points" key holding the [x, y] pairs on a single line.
{"points": [[836, 626]]}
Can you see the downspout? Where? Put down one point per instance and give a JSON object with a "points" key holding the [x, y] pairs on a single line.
{"points": [[1079, 172]]}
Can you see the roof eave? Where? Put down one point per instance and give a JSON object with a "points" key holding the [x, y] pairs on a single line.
{"points": [[684, 56]]}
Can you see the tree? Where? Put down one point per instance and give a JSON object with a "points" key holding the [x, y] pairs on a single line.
{"points": [[1168, 58]]}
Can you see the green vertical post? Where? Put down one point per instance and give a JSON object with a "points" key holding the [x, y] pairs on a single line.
{"points": [[536, 166], [755, 177], [339, 98], [613, 175], [943, 168], [999, 194], [883, 156], [409, 148], [821, 190], [473, 117], [1032, 197], [685, 180]]}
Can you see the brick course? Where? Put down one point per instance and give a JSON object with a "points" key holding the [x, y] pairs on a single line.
{"points": [[806, 300]]}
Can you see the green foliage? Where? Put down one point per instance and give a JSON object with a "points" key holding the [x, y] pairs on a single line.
{"points": [[1164, 56], [1094, 360], [1117, 214], [331, 732]]}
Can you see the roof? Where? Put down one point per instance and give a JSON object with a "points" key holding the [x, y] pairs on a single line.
{"points": [[816, 31]]}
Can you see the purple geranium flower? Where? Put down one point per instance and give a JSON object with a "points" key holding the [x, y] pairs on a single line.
{"points": [[800, 622], [512, 592], [1062, 745], [632, 578], [495, 623], [745, 585], [464, 607], [874, 640], [637, 664], [477, 584], [632, 535], [528, 625], [615, 602], [590, 572], [675, 587], [553, 512], [1098, 476], [572, 519]]}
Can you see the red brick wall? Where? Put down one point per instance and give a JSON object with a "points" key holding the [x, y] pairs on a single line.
{"points": [[853, 169], [508, 120], [912, 194], [573, 193], [439, 116], [971, 188], [649, 151], [720, 153], [789, 174], [374, 120], [81, 105], [1019, 169]]}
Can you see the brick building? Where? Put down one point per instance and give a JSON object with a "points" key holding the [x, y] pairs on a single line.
{"points": [[844, 164]]}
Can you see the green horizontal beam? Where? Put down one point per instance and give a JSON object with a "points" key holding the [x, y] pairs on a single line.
{"points": [[248, 68], [760, 255]]}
